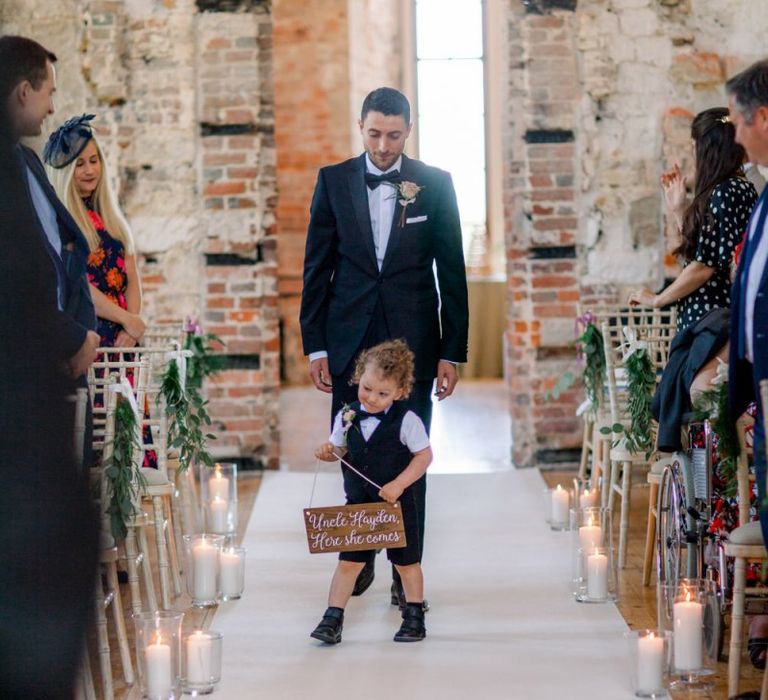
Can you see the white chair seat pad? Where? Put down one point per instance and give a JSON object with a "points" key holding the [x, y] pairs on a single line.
{"points": [[749, 534]]}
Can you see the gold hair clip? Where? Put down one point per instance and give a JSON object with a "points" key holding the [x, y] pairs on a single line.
{"points": [[725, 120]]}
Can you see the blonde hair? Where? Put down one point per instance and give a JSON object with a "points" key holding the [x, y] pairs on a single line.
{"points": [[393, 359], [104, 203]]}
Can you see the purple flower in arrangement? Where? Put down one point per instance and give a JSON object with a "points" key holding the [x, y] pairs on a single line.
{"points": [[192, 326]]}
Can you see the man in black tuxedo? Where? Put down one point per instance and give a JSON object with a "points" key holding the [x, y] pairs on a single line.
{"points": [[748, 361], [382, 227], [49, 532]]}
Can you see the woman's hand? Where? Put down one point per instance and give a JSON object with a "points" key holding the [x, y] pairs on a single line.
{"points": [[673, 184], [133, 325], [643, 297], [326, 452], [123, 340]]}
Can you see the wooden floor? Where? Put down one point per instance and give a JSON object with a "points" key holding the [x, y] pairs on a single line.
{"points": [[637, 603]]}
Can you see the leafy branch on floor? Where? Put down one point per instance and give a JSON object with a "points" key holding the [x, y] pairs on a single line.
{"points": [[125, 482], [187, 418]]}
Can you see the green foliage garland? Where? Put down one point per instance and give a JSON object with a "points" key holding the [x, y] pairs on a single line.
{"points": [[592, 348], [187, 417], [641, 385], [203, 361], [125, 482]]}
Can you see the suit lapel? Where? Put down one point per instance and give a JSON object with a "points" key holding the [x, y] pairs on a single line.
{"points": [[395, 230], [359, 193]]}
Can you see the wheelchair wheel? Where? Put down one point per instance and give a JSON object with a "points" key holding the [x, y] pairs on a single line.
{"points": [[670, 527]]}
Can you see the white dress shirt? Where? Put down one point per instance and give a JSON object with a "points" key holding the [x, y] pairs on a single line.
{"points": [[412, 432], [752, 278]]}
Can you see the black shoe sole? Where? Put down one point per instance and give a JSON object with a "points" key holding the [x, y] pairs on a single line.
{"points": [[326, 638], [398, 638], [363, 582]]}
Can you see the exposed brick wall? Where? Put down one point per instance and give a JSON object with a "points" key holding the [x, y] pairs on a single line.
{"points": [[619, 82], [184, 110]]}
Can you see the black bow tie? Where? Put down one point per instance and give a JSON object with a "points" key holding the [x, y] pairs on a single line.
{"points": [[373, 181], [364, 414]]}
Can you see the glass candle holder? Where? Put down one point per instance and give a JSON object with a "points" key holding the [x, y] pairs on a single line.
{"points": [[232, 572], [584, 494], [686, 610], [201, 662], [202, 560], [649, 655], [218, 491], [559, 500], [158, 654], [592, 546]]}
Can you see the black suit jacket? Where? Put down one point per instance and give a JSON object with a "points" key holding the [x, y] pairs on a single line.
{"points": [[78, 315], [342, 282], [743, 377]]}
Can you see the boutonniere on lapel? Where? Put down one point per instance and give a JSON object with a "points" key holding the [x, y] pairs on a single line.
{"points": [[347, 416], [406, 192]]}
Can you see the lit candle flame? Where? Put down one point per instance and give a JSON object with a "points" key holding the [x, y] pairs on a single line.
{"points": [[591, 521], [158, 638], [559, 488], [688, 597]]}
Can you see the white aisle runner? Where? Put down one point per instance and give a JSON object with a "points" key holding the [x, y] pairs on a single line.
{"points": [[503, 623]]}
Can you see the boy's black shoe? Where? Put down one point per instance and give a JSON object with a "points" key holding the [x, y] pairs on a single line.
{"points": [[397, 597], [329, 629], [412, 629], [364, 579]]}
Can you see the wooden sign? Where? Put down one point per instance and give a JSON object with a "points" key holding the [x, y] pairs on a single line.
{"points": [[354, 527]]}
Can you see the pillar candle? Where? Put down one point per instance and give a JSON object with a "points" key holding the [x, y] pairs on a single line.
{"points": [[199, 658], [205, 558], [688, 617], [218, 487], [590, 536], [588, 499], [158, 659], [650, 663], [559, 505], [232, 571], [597, 576], [217, 510]]}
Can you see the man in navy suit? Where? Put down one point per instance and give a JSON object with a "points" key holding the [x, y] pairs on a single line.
{"points": [[748, 362], [49, 535], [384, 260]]}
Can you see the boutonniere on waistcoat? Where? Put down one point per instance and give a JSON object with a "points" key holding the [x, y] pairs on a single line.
{"points": [[347, 416], [407, 192]]}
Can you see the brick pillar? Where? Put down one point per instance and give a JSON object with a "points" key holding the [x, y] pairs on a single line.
{"points": [[543, 268]]}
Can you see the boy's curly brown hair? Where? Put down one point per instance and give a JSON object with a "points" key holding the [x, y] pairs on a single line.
{"points": [[393, 359]]}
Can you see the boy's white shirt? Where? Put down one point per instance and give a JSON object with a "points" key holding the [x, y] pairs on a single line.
{"points": [[413, 434]]}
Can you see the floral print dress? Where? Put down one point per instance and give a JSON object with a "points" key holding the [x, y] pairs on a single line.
{"points": [[106, 272]]}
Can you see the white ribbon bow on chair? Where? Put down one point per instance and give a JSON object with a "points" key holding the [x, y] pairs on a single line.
{"points": [[124, 388], [632, 345], [180, 356]]}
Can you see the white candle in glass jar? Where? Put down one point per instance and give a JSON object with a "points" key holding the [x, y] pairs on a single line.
{"points": [[650, 663], [158, 660], [590, 536], [205, 561], [560, 503], [199, 658], [597, 576], [588, 499], [217, 511], [688, 628], [218, 486], [232, 571]]}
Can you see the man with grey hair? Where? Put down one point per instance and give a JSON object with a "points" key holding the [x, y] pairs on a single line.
{"points": [[748, 362]]}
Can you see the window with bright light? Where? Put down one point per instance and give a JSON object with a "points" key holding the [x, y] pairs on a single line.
{"points": [[451, 107]]}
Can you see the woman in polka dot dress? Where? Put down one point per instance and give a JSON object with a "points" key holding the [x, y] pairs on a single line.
{"points": [[711, 226]]}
